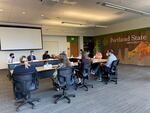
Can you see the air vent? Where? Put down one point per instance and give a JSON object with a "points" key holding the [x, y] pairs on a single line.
{"points": [[120, 13], [49, 2], [67, 2]]}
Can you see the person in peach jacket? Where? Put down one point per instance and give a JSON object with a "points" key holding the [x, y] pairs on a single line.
{"points": [[98, 55]]}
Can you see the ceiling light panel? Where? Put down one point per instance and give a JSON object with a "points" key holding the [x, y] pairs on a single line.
{"points": [[1, 10], [23, 13], [127, 9], [86, 16]]}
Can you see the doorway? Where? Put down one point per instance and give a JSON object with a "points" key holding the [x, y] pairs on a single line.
{"points": [[72, 46], [88, 44]]}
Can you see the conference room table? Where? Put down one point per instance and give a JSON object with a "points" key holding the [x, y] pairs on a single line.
{"points": [[48, 70], [45, 72], [38, 63], [76, 59], [98, 60], [35, 63]]}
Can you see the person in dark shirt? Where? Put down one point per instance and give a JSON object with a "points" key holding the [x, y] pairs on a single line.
{"points": [[85, 62], [46, 55], [24, 68], [64, 62], [31, 57]]}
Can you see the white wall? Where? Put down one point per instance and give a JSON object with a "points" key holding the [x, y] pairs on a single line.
{"points": [[137, 23], [62, 42], [80, 42], [68, 31]]}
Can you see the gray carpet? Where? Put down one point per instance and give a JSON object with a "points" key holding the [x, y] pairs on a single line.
{"points": [[130, 95]]}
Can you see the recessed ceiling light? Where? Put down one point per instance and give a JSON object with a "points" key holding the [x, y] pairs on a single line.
{"points": [[1, 10], [42, 15], [98, 2], [23, 13], [58, 18]]}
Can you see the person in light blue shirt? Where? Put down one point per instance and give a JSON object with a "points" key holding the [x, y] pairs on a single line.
{"points": [[111, 58], [105, 67]]}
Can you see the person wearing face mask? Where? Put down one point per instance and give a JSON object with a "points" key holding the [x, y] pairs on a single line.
{"points": [[31, 57], [111, 58], [107, 53], [11, 58]]}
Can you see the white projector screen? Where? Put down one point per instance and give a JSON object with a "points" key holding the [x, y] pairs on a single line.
{"points": [[18, 38]]}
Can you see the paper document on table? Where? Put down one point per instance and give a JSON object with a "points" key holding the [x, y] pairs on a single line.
{"points": [[96, 60]]}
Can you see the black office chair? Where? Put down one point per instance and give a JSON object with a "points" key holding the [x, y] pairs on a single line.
{"points": [[74, 59], [112, 72], [65, 79], [85, 73], [23, 85]]}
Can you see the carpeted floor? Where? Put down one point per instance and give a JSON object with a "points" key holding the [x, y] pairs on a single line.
{"points": [[130, 95]]}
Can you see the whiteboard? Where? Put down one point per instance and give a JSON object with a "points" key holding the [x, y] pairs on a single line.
{"points": [[13, 38]]}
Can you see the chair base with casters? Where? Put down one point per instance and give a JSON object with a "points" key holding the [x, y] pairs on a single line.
{"points": [[83, 85], [25, 101], [107, 79], [23, 84], [64, 95], [110, 74], [113, 78], [65, 79]]}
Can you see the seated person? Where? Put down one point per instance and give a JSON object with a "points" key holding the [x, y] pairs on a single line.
{"points": [[107, 65], [31, 57], [46, 55], [96, 66], [111, 58], [84, 60], [64, 62], [24, 67], [98, 55], [11, 58]]}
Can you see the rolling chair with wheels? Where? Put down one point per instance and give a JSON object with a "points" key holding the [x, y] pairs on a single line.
{"points": [[112, 72], [23, 85], [85, 73], [65, 78]]}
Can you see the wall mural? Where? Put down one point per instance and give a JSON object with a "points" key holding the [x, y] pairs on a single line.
{"points": [[131, 47], [143, 49]]}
